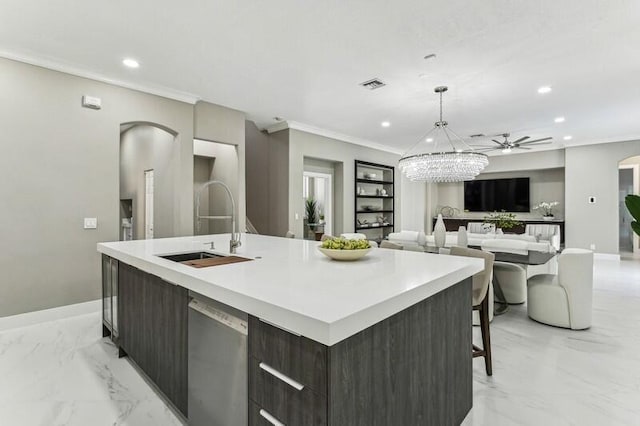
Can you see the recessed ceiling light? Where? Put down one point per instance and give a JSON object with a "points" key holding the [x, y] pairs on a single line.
{"points": [[559, 119], [544, 89], [131, 63], [429, 139], [568, 138], [385, 124]]}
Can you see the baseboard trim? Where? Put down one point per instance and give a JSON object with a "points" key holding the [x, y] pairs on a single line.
{"points": [[51, 314], [607, 256]]}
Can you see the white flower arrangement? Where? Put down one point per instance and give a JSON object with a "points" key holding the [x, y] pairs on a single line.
{"points": [[547, 208]]}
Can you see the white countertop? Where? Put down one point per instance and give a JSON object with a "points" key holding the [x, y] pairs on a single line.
{"points": [[296, 287]]}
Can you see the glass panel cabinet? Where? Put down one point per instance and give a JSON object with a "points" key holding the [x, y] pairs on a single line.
{"points": [[110, 296]]}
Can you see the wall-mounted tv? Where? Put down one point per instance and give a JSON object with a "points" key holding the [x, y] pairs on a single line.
{"points": [[510, 195]]}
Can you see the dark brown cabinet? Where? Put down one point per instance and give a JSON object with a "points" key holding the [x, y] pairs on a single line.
{"points": [[153, 330], [413, 368]]}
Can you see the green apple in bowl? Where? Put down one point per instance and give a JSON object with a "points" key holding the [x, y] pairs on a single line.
{"points": [[343, 249]]}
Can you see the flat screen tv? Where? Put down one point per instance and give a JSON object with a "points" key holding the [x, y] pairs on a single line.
{"points": [[510, 195]]}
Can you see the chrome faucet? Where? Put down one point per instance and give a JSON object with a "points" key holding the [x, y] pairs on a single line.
{"points": [[234, 243]]}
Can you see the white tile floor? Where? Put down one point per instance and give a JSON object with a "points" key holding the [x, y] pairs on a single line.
{"points": [[63, 373]]}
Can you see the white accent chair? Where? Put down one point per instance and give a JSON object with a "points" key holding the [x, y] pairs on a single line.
{"points": [[506, 246], [544, 232], [389, 245], [409, 240], [511, 276], [353, 236], [513, 281], [481, 228], [564, 300]]}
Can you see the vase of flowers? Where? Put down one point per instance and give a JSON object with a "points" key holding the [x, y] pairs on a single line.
{"points": [[546, 209]]}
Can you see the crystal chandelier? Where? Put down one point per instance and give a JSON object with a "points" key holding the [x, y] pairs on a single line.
{"points": [[455, 163]]}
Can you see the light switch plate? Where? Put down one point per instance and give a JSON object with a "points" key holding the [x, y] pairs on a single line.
{"points": [[90, 222]]}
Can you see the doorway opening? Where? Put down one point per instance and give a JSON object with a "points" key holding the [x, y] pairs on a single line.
{"points": [[148, 173], [628, 183], [214, 161], [317, 193], [322, 188]]}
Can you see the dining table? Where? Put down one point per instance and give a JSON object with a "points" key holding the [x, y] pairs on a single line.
{"points": [[532, 258]]}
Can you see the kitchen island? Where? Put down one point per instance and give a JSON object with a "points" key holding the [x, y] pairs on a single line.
{"points": [[385, 340]]}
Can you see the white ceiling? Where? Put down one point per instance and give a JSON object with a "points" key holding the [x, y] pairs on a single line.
{"points": [[302, 60]]}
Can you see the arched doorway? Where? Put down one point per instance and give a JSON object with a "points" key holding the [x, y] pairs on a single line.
{"points": [[148, 173], [628, 183]]}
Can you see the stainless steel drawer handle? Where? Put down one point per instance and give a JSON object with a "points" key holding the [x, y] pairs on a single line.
{"points": [[288, 380], [270, 418]]}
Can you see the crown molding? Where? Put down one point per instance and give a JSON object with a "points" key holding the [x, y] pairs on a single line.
{"points": [[294, 125], [79, 72]]}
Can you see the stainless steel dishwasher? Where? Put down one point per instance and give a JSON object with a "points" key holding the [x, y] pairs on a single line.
{"points": [[218, 389]]}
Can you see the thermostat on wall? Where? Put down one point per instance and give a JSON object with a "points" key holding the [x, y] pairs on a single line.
{"points": [[91, 102]]}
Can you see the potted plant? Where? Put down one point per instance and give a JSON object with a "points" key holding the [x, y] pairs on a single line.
{"points": [[546, 209], [502, 220], [633, 205], [311, 213]]}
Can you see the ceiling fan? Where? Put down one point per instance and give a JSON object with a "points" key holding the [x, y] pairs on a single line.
{"points": [[507, 146]]}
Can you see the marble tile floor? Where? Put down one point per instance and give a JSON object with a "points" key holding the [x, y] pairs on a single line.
{"points": [[550, 376], [62, 372]]}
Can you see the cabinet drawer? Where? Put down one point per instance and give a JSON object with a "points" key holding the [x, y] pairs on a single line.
{"points": [[283, 401], [298, 357]]}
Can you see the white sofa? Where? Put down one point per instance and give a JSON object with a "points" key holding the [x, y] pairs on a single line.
{"points": [[477, 239], [564, 300], [545, 232], [409, 240]]}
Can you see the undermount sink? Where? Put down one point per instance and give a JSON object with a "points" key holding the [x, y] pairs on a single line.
{"points": [[185, 257], [203, 259]]}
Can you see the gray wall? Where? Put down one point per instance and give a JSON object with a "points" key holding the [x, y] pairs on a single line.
{"points": [[216, 123], [144, 147], [202, 172], [592, 170], [60, 164], [536, 165], [225, 169], [545, 185], [267, 175], [303, 144], [257, 176]]}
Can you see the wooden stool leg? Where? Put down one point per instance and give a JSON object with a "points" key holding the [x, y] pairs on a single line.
{"points": [[486, 339]]}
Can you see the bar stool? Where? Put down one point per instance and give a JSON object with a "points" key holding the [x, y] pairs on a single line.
{"points": [[480, 300]]}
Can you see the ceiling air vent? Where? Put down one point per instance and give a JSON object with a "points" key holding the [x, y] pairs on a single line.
{"points": [[374, 83]]}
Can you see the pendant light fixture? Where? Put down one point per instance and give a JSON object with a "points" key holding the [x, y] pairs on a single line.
{"points": [[456, 162]]}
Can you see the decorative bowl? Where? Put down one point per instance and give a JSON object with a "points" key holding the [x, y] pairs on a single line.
{"points": [[344, 254]]}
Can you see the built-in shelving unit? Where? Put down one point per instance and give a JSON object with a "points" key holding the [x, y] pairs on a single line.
{"points": [[374, 199]]}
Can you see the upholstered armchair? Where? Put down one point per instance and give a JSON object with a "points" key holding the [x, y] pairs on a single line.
{"points": [[564, 300], [481, 228], [545, 232], [511, 277]]}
